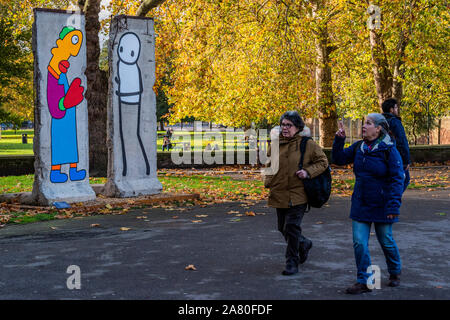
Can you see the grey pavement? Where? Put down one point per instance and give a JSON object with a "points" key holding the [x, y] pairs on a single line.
{"points": [[236, 257]]}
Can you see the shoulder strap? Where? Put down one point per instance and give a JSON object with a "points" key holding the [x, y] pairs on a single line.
{"points": [[302, 151]]}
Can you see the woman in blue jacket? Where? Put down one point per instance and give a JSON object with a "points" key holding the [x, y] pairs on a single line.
{"points": [[376, 198]]}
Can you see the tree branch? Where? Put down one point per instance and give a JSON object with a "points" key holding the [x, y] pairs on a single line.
{"points": [[148, 5], [81, 4]]}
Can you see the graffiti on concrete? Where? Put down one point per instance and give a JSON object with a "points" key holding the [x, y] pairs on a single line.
{"points": [[130, 88], [62, 99]]}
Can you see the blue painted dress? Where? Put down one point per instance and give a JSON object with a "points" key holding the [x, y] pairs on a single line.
{"points": [[64, 143]]}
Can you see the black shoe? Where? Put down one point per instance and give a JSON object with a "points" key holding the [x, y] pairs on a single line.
{"points": [[291, 268], [394, 280], [357, 288], [304, 252]]}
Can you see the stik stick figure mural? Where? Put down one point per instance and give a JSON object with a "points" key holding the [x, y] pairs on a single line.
{"points": [[62, 99], [130, 88]]}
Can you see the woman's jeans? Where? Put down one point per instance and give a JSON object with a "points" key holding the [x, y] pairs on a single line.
{"points": [[289, 221], [361, 233]]}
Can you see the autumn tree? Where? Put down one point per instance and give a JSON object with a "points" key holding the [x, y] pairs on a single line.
{"points": [[97, 90], [323, 75], [237, 62], [242, 62], [16, 57], [396, 21], [16, 65], [15, 68], [403, 53]]}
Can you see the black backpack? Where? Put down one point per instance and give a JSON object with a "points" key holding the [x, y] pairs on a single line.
{"points": [[317, 189]]}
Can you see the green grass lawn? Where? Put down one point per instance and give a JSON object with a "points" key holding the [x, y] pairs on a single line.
{"points": [[11, 141], [211, 189], [216, 187]]}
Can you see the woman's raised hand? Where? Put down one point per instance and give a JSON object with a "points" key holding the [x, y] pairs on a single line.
{"points": [[341, 131]]}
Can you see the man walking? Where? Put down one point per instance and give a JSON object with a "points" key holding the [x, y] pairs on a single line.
{"points": [[391, 113]]}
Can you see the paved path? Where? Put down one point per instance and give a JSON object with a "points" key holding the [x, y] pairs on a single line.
{"points": [[236, 257]]}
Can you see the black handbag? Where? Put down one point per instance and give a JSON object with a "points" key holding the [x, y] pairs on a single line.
{"points": [[317, 189]]}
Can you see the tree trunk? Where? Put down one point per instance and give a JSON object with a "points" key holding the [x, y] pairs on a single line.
{"points": [[324, 89], [382, 74], [389, 83], [439, 131], [97, 91]]}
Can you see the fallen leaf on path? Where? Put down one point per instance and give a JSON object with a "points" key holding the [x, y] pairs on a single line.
{"points": [[190, 267], [201, 215], [108, 206], [250, 213], [319, 222], [232, 212], [95, 225], [175, 217], [196, 221], [125, 229], [141, 217]]}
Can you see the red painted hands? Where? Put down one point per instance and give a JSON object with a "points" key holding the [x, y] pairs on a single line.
{"points": [[74, 95], [63, 66]]}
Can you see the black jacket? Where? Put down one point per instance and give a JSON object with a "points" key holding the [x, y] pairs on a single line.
{"points": [[396, 127]]}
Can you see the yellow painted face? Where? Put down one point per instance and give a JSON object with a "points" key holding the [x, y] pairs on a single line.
{"points": [[72, 42], [69, 46]]}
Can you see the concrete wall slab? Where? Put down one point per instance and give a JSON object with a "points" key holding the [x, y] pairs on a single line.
{"points": [[132, 130], [61, 142]]}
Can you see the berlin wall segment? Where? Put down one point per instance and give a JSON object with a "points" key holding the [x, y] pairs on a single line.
{"points": [[132, 134], [61, 142]]}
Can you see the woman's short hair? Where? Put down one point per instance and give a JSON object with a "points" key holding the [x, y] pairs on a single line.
{"points": [[379, 121], [293, 117]]}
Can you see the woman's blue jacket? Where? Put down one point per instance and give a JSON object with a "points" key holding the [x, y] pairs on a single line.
{"points": [[379, 178]]}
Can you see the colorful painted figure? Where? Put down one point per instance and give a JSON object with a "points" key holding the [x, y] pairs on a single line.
{"points": [[62, 98], [130, 89]]}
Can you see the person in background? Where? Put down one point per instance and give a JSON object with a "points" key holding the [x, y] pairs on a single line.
{"points": [[376, 198], [287, 193], [169, 132], [391, 113], [166, 143]]}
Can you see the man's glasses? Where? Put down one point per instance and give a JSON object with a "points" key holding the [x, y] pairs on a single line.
{"points": [[287, 125]]}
